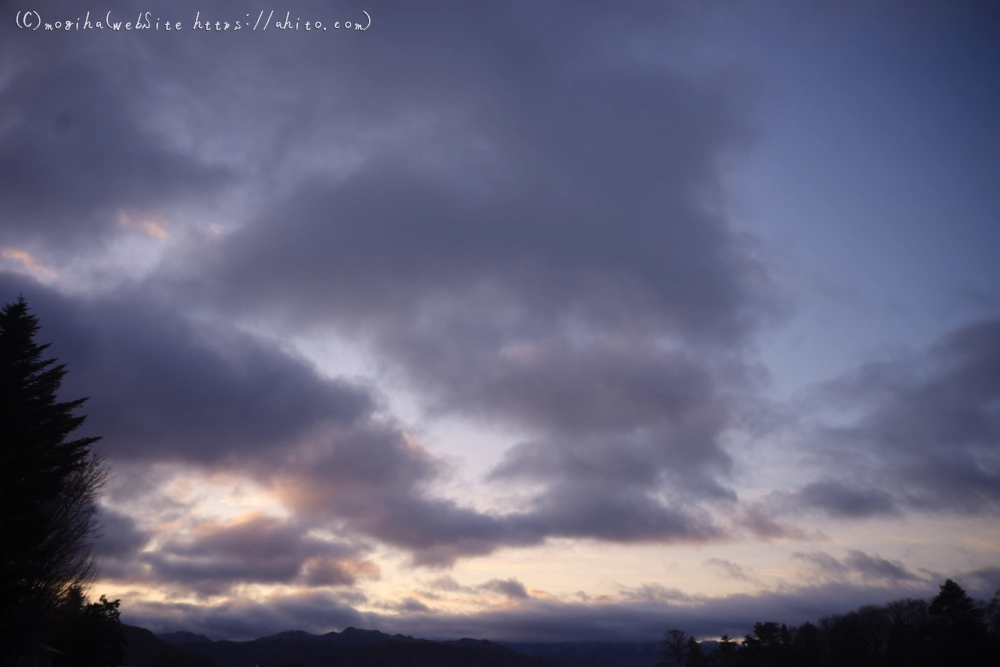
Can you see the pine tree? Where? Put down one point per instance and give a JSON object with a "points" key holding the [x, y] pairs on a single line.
{"points": [[726, 654], [48, 486], [958, 626], [695, 656]]}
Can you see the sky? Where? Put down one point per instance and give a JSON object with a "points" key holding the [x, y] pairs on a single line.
{"points": [[517, 320]]}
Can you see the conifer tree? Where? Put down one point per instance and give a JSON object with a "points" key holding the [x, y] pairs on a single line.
{"points": [[726, 654], [48, 486], [695, 656], [958, 626]]}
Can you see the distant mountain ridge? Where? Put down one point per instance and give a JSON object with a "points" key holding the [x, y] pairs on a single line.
{"points": [[182, 637], [349, 635], [353, 647], [144, 649]]}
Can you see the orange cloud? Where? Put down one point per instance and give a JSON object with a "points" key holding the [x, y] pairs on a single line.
{"points": [[28, 261], [153, 226]]}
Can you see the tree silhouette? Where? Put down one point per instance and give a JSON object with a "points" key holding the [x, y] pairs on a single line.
{"points": [[958, 626], [908, 637], [693, 653], [48, 486], [768, 646], [992, 616], [807, 646], [726, 654], [674, 648], [89, 635], [953, 630]]}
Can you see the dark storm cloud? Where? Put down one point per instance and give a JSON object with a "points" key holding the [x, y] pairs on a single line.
{"points": [[926, 436]]}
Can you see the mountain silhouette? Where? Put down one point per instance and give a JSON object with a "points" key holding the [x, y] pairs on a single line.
{"points": [[353, 647]]}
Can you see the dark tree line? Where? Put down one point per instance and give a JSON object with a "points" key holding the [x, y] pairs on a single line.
{"points": [[952, 630], [49, 484]]}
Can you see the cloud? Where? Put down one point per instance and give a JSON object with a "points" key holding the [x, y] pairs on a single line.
{"points": [[873, 569], [637, 615], [118, 544], [575, 281], [655, 593], [759, 520], [254, 549], [448, 583], [241, 618], [925, 435], [511, 588], [406, 605], [120, 537], [25, 259], [727, 569], [74, 150], [213, 557], [842, 500], [982, 581], [165, 388], [544, 249]]}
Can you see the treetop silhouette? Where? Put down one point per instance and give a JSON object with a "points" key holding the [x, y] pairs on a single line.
{"points": [[48, 486]]}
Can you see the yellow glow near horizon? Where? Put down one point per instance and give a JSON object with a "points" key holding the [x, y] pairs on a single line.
{"points": [[562, 570]]}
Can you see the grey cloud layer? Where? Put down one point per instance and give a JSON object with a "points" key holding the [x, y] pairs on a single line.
{"points": [[869, 568], [257, 549], [75, 153], [163, 388], [542, 246], [927, 434], [552, 262]]}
